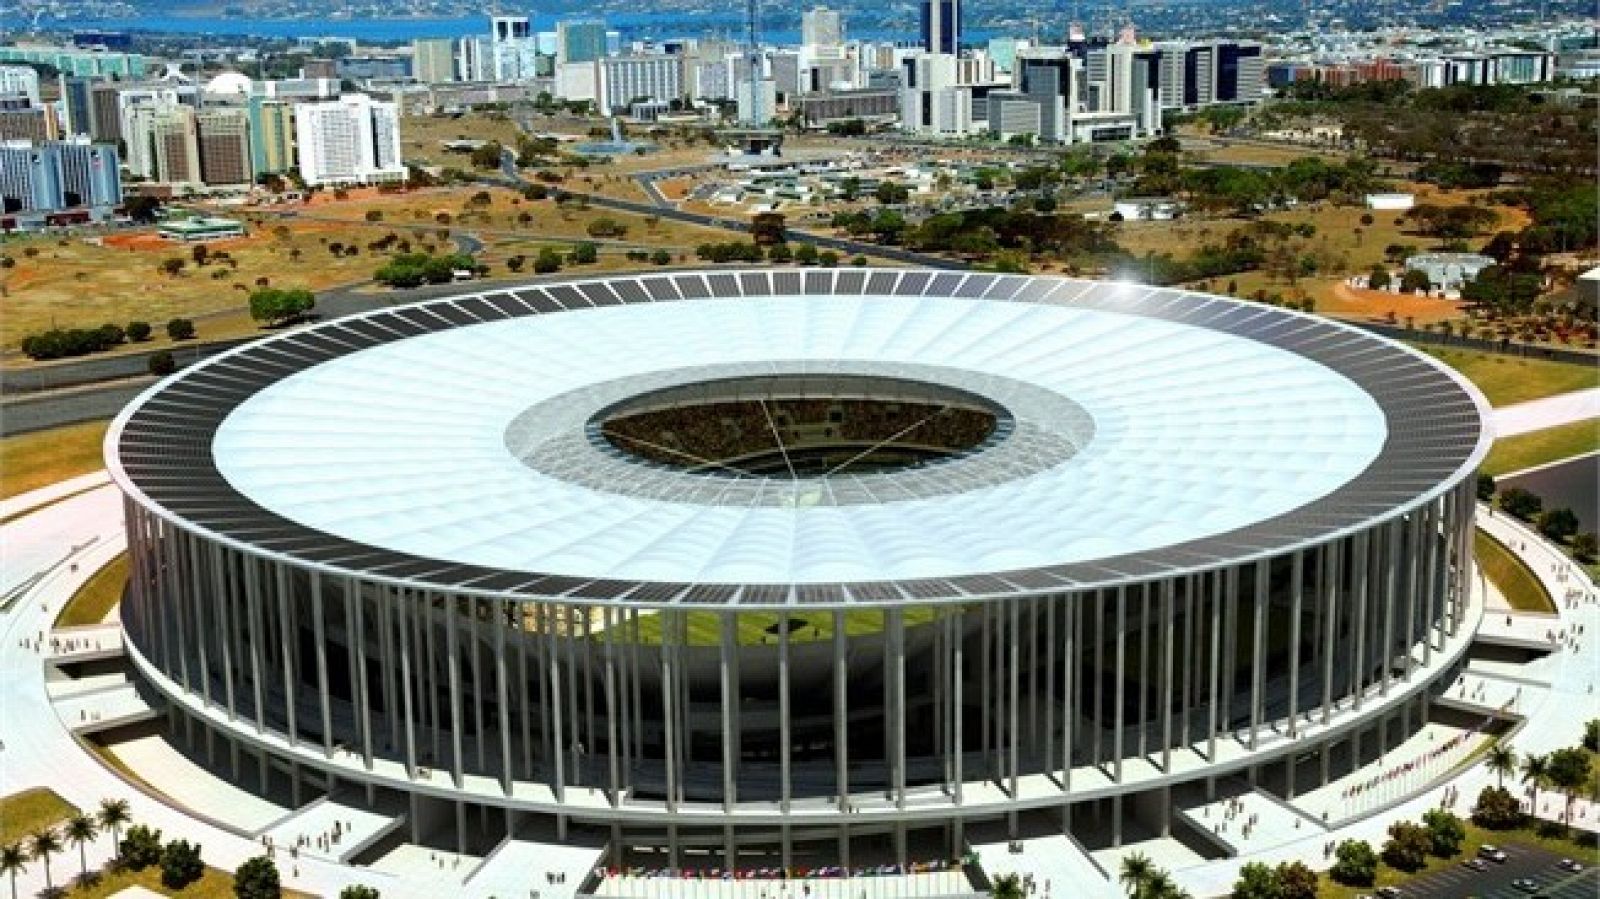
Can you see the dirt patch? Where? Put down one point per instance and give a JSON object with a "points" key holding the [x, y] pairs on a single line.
{"points": [[1353, 302]]}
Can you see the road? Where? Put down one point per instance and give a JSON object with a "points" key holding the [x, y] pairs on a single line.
{"points": [[1573, 483]]}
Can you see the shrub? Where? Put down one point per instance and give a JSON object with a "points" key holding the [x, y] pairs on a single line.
{"points": [[1558, 524], [1522, 503], [162, 364], [547, 262], [1355, 864], [661, 257], [828, 258], [138, 332], [606, 227], [181, 864], [585, 254], [1585, 547], [257, 879], [1497, 809], [1296, 881], [273, 306], [1407, 847], [140, 848], [1445, 832], [358, 891]]}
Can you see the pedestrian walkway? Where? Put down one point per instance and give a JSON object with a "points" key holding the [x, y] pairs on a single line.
{"points": [[1057, 863], [93, 711], [548, 870], [1549, 412], [331, 829], [1246, 819]]}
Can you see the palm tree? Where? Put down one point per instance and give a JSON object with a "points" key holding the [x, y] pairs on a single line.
{"points": [[40, 845], [1502, 761], [1535, 770], [1159, 886], [113, 814], [80, 831], [1137, 871], [13, 861]]}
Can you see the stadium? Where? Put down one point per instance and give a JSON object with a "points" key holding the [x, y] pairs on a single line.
{"points": [[803, 565]]}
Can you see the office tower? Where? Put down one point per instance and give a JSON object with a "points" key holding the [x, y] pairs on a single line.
{"points": [[624, 79], [474, 60], [514, 51], [224, 136], [29, 180], [941, 26], [580, 40], [89, 172], [271, 135], [433, 60], [351, 140], [821, 27], [20, 81], [76, 103], [163, 143], [19, 121]]}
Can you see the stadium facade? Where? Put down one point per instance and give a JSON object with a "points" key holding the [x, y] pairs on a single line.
{"points": [[1016, 547]]}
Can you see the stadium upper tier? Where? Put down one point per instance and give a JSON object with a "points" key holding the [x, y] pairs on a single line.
{"points": [[1101, 433]]}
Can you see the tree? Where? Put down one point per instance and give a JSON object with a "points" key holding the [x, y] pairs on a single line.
{"points": [[1414, 280], [585, 253], [1558, 524], [1591, 735], [889, 193], [1520, 502], [358, 891], [827, 258], [172, 266], [1008, 886], [1445, 832], [806, 254], [13, 861], [661, 257], [1136, 872], [180, 329], [180, 864], [1355, 864], [1497, 809], [114, 813], [275, 306], [605, 226], [767, 228], [1256, 881], [487, 156], [780, 252], [1536, 772], [141, 848], [138, 332], [80, 831], [1486, 486], [1379, 278], [41, 845], [1407, 846], [1296, 881], [257, 879], [1503, 762], [1585, 546], [547, 261], [1569, 772]]}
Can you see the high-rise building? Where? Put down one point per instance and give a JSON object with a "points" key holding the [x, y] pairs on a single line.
{"points": [[224, 138], [271, 135], [90, 173], [19, 121], [580, 40], [474, 60], [941, 26], [163, 143], [433, 60], [821, 27], [351, 140], [514, 51], [78, 62], [29, 181], [76, 103], [20, 81], [624, 79]]}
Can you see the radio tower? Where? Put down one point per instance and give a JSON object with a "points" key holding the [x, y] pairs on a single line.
{"points": [[753, 48]]}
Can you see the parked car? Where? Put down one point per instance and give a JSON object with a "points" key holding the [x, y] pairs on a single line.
{"points": [[1389, 893], [1493, 853], [1525, 885], [1476, 864], [1568, 864]]}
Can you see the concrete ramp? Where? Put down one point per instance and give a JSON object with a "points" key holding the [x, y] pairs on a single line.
{"points": [[333, 828]]}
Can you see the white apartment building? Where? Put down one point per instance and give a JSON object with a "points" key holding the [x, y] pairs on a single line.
{"points": [[351, 140], [513, 48], [624, 79], [946, 95]]}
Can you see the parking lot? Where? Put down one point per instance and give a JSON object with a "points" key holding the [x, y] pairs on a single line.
{"points": [[1537, 865]]}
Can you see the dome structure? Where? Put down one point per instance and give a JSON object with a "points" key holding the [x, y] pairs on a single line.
{"points": [[230, 84]]}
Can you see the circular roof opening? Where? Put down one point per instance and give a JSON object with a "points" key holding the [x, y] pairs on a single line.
{"points": [[800, 426]]}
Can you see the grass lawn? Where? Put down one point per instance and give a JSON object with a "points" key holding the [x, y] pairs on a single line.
{"points": [[1522, 451], [41, 458], [1509, 379], [214, 884], [1565, 846], [30, 810], [95, 599], [1514, 579]]}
